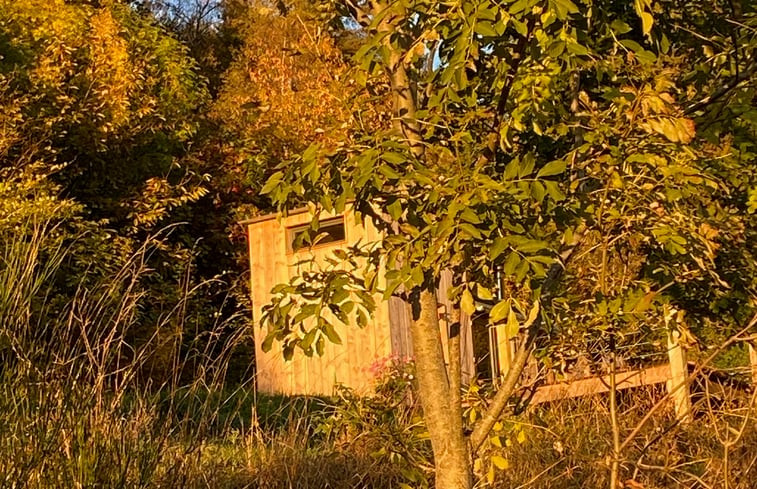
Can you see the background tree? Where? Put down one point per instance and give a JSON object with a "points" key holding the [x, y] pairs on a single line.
{"points": [[101, 105]]}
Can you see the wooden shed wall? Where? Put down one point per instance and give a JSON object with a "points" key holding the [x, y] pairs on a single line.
{"points": [[349, 363], [400, 315]]}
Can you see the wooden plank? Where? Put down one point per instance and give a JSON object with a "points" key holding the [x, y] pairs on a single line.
{"points": [[274, 215], [399, 324], [269, 364], [363, 353], [597, 385], [679, 373], [467, 361], [501, 351], [382, 331], [261, 370]]}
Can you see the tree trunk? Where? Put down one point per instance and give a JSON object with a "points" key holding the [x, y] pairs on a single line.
{"points": [[451, 457]]}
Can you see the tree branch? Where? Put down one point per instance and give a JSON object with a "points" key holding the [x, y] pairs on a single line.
{"points": [[504, 96], [484, 427], [724, 89]]}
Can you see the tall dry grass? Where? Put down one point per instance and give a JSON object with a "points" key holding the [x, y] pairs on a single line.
{"points": [[81, 408], [567, 444], [76, 409]]}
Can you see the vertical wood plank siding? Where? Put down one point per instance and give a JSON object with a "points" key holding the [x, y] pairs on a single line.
{"points": [[349, 363]]}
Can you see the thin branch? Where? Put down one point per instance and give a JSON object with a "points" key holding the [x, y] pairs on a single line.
{"points": [[504, 96], [724, 89], [492, 414], [733, 339]]}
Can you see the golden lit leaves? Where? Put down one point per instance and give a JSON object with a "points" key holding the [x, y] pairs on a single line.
{"points": [[644, 11], [287, 87], [158, 197], [676, 130], [110, 69], [659, 113]]}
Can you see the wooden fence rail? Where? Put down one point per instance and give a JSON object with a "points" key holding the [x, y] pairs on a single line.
{"points": [[674, 373]]}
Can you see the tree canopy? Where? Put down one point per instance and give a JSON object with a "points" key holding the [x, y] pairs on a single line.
{"points": [[599, 154]]}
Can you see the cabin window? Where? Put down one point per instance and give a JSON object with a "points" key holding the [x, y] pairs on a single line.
{"points": [[330, 232]]}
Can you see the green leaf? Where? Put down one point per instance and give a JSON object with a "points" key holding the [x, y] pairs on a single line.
{"points": [[556, 49], [521, 270], [331, 334], [309, 154], [527, 245], [470, 230], [485, 29], [527, 165], [552, 168], [632, 45], [268, 342], [553, 189], [395, 209], [272, 183], [513, 260], [498, 246], [577, 49], [469, 216], [483, 293], [389, 172], [308, 339], [537, 191], [499, 311], [620, 27], [394, 158]]}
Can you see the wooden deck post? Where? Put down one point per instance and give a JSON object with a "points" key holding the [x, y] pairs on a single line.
{"points": [[500, 348], [677, 386], [753, 362]]}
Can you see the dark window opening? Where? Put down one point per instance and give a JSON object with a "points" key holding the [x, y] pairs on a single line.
{"points": [[303, 237]]}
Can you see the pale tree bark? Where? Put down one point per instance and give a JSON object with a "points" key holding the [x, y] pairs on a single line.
{"points": [[439, 393], [443, 421]]}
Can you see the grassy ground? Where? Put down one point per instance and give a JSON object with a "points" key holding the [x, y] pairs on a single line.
{"points": [[57, 434], [78, 411]]}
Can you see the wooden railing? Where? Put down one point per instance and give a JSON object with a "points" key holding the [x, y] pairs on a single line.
{"points": [[674, 373]]}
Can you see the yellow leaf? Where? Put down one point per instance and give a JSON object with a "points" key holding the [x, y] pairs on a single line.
{"points": [[512, 325], [533, 314], [646, 22], [500, 462], [473, 415], [466, 302], [686, 130], [483, 292], [499, 311], [521, 436], [669, 129]]}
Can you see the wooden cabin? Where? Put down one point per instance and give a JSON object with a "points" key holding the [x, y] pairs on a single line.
{"points": [[276, 256]]}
